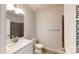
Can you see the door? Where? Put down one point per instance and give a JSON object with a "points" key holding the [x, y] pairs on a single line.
{"points": [[63, 31]]}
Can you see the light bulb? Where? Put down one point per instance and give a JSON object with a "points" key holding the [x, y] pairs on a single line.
{"points": [[18, 11], [10, 7]]}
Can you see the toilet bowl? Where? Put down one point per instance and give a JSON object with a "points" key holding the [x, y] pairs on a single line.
{"points": [[38, 47]]}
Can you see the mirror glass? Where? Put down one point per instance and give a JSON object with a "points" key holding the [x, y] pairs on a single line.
{"points": [[14, 27], [14, 24]]}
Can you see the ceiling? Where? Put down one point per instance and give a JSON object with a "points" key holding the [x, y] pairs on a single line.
{"points": [[41, 7]]}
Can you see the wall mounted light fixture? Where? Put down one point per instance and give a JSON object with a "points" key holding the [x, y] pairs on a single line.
{"points": [[15, 8]]}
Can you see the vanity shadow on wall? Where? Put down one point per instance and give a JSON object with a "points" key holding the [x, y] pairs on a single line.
{"points": [[16, 24]]}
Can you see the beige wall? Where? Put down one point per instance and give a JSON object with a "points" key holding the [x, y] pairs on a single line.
{"points": [[29, 22], [47, 21], [70, 30], [2, 28], [0, 10]]}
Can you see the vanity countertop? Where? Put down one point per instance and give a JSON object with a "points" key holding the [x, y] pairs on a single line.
{"points": [[13, 47]]}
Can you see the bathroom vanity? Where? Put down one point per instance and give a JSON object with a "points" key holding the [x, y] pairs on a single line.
{"points": [[15, 28], [23, 46]]}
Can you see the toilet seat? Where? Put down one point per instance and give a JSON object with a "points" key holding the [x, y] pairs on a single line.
{"points": [[38, 45]]}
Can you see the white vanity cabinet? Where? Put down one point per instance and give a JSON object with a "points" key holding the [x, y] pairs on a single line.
{"points": [[25, 50], [23, 46]]}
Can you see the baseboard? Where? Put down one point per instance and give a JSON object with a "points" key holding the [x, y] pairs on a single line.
{"points": [[53, 50]]}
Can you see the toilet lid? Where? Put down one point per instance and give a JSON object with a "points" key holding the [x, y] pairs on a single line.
{"points": [[38, 45]]}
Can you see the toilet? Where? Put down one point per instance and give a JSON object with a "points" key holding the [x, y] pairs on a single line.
{"points": [[38, 47]]}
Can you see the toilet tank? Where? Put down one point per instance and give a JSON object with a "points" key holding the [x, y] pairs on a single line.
{"points": [[34, 40]]}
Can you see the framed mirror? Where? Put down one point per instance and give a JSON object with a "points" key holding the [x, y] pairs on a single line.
{"points": [[14, 24]]}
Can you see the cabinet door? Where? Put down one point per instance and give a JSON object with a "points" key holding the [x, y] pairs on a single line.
{"points": [[26, 50]]}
